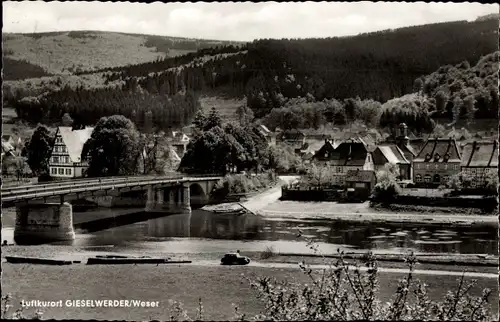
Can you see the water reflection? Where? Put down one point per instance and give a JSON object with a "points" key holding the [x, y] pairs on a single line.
{"points": [[139, 227]]}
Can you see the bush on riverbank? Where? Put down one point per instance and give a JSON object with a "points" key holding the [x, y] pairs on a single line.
{"points": [[244, 183], [342, 292]]}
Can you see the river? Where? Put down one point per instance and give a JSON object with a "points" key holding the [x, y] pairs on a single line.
{"points": [[203, 231]]}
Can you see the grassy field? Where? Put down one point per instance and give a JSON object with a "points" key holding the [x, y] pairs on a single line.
{"points": [[217, 286]]}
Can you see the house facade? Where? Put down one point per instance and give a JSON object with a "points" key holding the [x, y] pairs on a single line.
{"points": [[437, 161], [479, 160], [360, 183], [65, 158], [391, 153], [348, 155]]}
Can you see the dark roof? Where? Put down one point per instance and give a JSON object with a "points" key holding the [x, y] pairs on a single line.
{"points": [[360, 176], [434, 150], [350, 153], [6, 137], [326, 148], [480, 154], [389, 153]]}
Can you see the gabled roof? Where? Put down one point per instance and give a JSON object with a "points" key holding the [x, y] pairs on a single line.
{"points": [[480, 154], [74, 140], [327, 147], [349, 153], [439, 147], [314, 146], [389, 153]]}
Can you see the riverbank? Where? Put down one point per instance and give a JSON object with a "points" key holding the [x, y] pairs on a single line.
{"points": [[185, 283], [361, 212]]}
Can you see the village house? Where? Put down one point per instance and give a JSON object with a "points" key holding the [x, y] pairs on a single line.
{"points": [[294, 138], [406, 141], [437, 161], [65, 158], [348, 155], [360, 183], [480, 159], [179, 141], [391, 153]]}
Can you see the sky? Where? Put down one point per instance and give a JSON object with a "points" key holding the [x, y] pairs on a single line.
{"points": [[243, 21]]}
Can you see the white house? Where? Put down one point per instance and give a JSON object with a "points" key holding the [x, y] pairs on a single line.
{"points": [[65, 159]]}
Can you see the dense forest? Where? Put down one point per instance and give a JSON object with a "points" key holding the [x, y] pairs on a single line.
{"points": [[305, 82], [21, 69], [379, 65], [148, 111]]}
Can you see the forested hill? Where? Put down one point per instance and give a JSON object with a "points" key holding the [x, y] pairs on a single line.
{"points": [[379, 65], [43, 54]]}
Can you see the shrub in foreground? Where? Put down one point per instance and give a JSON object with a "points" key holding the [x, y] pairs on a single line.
{"points": [[345, 291]]}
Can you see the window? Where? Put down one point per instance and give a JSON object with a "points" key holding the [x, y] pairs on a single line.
{"points": [[418, 165], [456, 166], [446, 167], [339, 169], [68, 172], [427, 166], [446, 179], [66, 159], [418, 178], [53, 170], [474, 183], [427, 178], [55, 159], [474, 171], [61, 171], [436, 166], [437, 178]]}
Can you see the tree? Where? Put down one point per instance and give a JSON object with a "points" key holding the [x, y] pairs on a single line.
{"points": [[441, 101], [113, 148], [319, 175], [200, 120], [155, 153], [212, 151], [470, 109], [148, 122], [387, 187], [457, 108], [213, 119], [491, 183], [67, 120], [245, 115], [418, 86], [38, 149], [439, 131]]}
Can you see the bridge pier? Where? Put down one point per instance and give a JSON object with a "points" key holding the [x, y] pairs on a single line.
{"points": [[39, 223], [178, 200]]}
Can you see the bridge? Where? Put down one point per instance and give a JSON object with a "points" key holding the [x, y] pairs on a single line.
{"points": [[43, 211]]}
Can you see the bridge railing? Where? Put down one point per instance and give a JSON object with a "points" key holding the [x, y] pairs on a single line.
{"points": [[57, 191], [79, 183]]}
